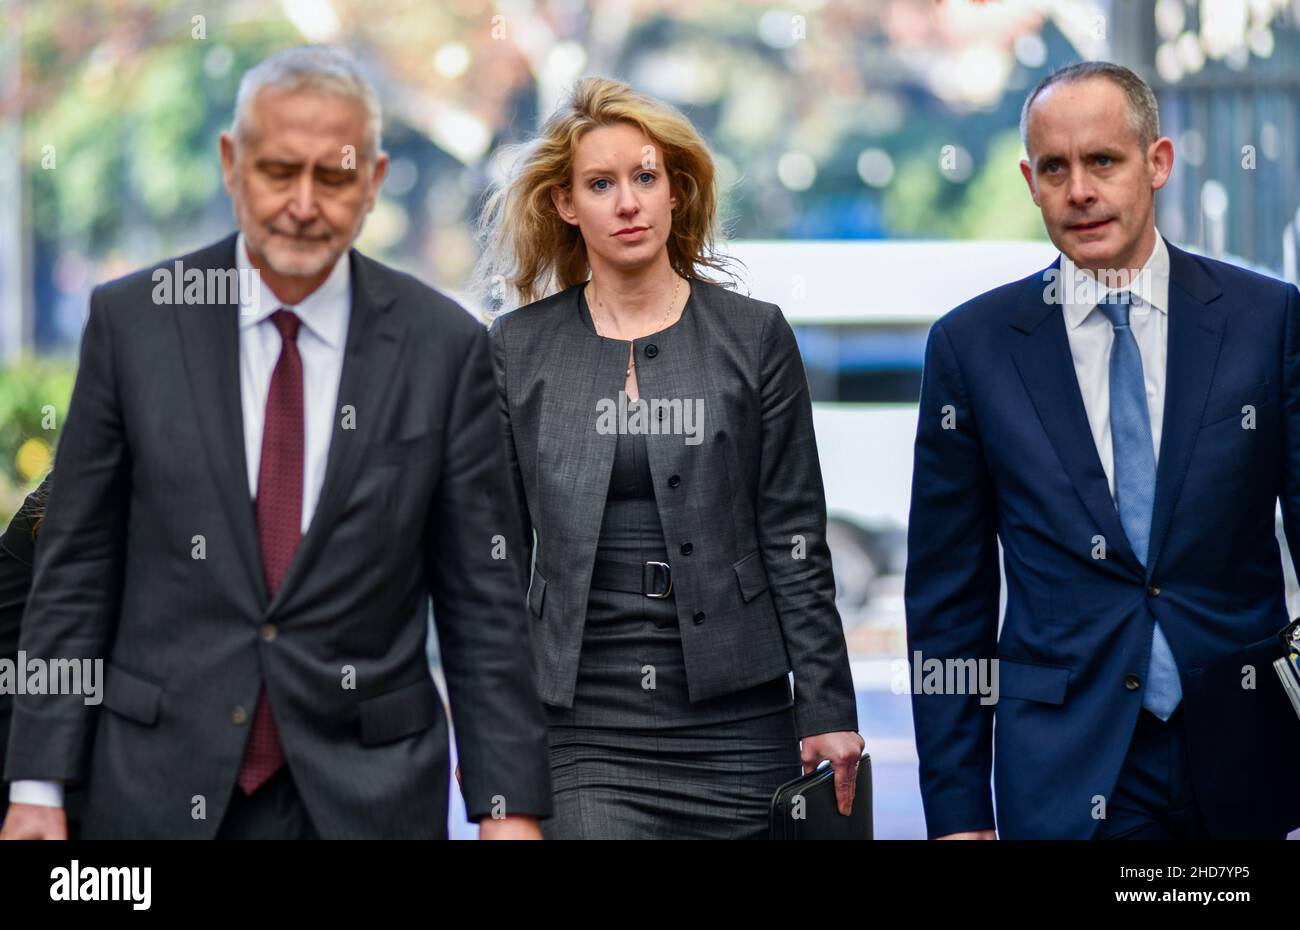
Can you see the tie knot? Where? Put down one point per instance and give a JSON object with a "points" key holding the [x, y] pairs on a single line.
{"points": [[287, 322], [1115, 310]]}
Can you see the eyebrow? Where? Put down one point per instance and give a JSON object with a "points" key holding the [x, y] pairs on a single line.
{"points": [[1095, 153], [601, 169], [286, 163]]}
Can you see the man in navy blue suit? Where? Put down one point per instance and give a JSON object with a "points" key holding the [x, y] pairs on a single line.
{"points": [[1124, 424]]}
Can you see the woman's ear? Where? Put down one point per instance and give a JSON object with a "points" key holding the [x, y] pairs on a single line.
{"points": [[562, 197]]}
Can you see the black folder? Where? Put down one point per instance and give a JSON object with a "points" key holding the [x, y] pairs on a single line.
{"points": [[805, 808]]}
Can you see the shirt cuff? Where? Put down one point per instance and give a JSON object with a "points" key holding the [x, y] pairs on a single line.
{"points": [[42, 793]]}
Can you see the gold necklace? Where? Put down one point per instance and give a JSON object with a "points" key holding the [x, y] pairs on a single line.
{"points": [[631, 354]]}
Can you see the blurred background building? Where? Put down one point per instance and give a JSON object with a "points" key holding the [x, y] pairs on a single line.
{"points": [[855, 138]]}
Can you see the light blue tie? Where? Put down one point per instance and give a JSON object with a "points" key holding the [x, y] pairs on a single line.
{"points": [[1135, 486]]}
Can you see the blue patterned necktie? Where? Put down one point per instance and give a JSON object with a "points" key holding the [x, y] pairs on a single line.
{"points": [[1135, 486]]}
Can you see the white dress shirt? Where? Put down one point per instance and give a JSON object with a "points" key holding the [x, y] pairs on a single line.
{"points": [[322, 338], [321, 341], [1091, 336]]}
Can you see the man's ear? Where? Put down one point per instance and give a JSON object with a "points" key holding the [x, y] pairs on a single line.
{"points": [[227, 146], [1027, 170], [562, 197], [1160, 160], [377, 179]]}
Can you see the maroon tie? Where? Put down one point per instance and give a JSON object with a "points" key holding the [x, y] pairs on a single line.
{"points": [[279, 522]]}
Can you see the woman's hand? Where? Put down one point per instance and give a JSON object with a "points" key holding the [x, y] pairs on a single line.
{"points": [[843, 749]]}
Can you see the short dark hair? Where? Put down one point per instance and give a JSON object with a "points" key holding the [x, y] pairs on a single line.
{"points": [[1143, 114]]}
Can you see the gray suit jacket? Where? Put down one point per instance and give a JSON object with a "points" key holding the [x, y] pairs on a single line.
{"points": [[152, 455], [743, 511]]}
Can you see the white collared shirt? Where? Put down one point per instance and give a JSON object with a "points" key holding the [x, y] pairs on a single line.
{"points": [[321, 341], [322, 338], [1091, 336]]}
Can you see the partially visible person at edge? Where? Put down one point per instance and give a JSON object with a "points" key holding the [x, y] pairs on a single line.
{"points": [[17, 553]]}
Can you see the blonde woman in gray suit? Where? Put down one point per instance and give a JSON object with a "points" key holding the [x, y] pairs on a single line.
{"points": [[659, 431]]}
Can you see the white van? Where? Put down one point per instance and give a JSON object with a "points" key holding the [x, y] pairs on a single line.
{"points": [[861, 311]]}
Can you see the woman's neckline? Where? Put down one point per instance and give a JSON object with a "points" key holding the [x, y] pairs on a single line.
{"points": [[584, 311]]}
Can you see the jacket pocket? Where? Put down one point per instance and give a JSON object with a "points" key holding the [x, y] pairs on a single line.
{"points": [[131, 697], [1222, 408], [752, 575], [537, 594], [1029, 682], [399, 713]]}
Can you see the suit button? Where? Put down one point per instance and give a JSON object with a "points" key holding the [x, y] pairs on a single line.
{"points": [[239, 716], [267, 632], [1154, 590], [687, 548], [673, 481], [651, 350], [699, 617], [1132, 682]]}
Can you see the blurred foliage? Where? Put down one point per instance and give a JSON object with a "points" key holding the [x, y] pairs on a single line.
{"points": [[129, 141], [994, 204], [129, 97], [33, 396]]}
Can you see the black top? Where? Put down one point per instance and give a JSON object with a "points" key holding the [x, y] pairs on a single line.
{"points": [[630, 530]]}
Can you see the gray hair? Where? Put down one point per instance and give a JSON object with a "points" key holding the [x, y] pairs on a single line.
{"points": [[1143, 114], [309, 67]]}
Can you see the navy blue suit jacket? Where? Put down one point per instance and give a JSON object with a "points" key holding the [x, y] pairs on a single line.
{"points": [[1004, 453]]}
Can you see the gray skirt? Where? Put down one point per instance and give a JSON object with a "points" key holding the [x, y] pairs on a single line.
{"points": [[634, 758]]}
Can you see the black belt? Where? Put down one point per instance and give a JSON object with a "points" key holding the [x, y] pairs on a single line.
{"points": [[653, 579]]}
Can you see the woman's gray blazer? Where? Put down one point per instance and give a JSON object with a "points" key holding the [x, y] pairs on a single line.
{"points": [[740, 495]]}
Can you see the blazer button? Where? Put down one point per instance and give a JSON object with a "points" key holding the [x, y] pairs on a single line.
{"points": [[1132, 682], [651, 350], [239, 716], [674, 480], [687, 548], [699, 617], [1154, 590], [267, 632]]}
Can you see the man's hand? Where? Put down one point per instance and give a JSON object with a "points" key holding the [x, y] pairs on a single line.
{"points": [[971, 835], [844, 749], [34, 822], [516, 827]]}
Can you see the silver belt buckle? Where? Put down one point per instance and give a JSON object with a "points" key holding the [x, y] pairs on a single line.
{"points": [[668, 574]]}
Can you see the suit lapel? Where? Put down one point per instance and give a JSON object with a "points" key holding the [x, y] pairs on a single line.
{"points": [[1195, 333], [1047, 368], [587, 370], [371, 356], [209, 337]]}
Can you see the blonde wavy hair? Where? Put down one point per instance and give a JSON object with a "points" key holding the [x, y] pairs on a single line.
{"points": [[530, 252]]}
